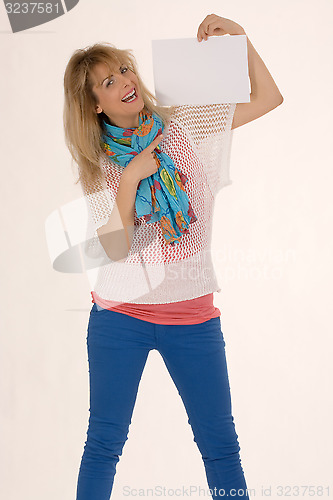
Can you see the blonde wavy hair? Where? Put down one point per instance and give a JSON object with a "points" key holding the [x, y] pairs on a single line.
{"points": [[82, 125]]}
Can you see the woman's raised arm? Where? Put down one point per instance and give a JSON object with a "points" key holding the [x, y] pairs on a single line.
{"points": [[265, 94]]}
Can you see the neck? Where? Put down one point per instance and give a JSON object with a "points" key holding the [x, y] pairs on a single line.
{"points": [[125, 122]]}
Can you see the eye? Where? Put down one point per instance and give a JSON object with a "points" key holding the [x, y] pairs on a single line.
{"points": [[124, 69]]}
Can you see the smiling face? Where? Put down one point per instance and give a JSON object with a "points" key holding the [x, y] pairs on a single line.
{"points": [[110, 87]]}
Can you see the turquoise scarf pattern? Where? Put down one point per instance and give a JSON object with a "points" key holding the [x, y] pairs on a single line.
{"points": [[161, 196]]}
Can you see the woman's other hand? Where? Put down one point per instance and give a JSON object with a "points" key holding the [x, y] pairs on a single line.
{"points": [[143, 164]]}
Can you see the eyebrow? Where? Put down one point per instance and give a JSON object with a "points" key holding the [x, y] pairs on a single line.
{"points": [[109, 76]]}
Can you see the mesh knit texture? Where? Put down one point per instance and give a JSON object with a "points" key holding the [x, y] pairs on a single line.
{"points": [[198, 139]]}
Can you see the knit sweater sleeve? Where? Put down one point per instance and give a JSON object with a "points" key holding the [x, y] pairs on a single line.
{"points": [[100, 200], [208, 127]]}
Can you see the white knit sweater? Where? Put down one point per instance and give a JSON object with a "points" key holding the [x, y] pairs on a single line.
{"points": [[198, 139]]}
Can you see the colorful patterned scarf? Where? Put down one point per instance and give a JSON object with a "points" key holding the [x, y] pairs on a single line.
{"points": [[161, 196]]}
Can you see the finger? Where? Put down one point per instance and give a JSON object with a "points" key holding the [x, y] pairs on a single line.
{"points": [[202, 32], [200, 35], [205, 23], [154, 143], [157, 139], [214, 25], [204, 27], [209, 29]]}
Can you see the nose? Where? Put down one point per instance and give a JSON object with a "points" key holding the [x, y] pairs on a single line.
{"points": [[126, 80]]}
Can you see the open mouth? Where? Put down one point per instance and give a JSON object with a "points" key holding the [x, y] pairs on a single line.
{"points": [[130, 97]]}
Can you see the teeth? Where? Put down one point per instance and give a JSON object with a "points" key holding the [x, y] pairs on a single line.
{"points": [[130, 100], [129, 95]]}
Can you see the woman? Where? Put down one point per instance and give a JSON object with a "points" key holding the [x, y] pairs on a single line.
{"points": [[150, 176]]}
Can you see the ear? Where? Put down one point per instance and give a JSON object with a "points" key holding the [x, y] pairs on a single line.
{"points": [[98, 109]]}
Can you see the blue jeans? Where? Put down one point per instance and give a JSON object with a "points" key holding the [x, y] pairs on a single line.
{"points": [[118, 346]]}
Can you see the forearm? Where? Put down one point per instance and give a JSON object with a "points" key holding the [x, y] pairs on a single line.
{"points": [[262, 84], [116, 235]]}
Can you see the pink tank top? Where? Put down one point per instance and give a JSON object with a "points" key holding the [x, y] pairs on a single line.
{"points": [[185, 312]]}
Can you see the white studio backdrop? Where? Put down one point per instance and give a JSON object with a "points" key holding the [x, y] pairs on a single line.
{"points": [[272, 248]]}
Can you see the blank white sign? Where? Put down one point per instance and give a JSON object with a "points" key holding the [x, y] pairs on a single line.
{"points": [[214, 71]]}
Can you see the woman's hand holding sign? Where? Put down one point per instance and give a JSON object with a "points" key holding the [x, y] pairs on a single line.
{"points": [[214, 25]]}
